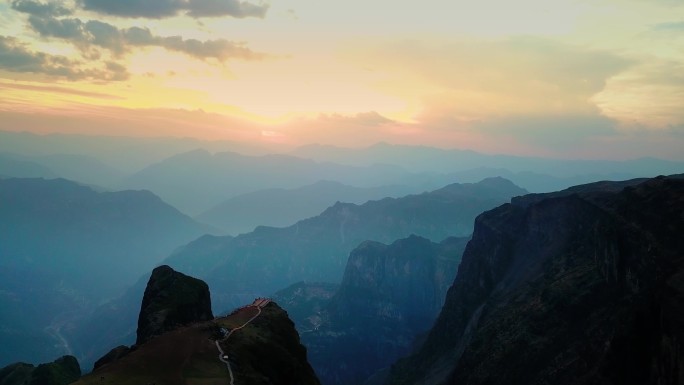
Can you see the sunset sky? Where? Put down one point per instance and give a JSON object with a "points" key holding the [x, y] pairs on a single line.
{"points": [[558, 78]]}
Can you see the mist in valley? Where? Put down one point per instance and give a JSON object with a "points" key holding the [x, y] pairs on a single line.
{"points": [[74, 249], [349, 193]]}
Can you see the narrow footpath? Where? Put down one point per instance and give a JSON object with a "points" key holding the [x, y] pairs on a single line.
{"points": [[223, 357]]}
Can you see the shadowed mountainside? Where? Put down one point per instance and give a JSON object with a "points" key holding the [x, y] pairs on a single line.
{"points": [[584, 286], [101, 239], [62, 371], [316, 249], [389, 295], [65, 247], [283, 207]]}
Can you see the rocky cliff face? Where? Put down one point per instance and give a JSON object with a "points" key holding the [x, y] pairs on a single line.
{"points": [[585, 286], [62, 371], [405, 282], [172, 299], [306, 302], [389, 295]]}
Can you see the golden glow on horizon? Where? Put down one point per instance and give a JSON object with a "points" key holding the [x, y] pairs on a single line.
{"points": [[447, 73]]}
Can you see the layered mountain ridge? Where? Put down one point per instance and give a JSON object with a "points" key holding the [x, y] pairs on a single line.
{"points": [[181, 178], [316, 249], [283, 207]]}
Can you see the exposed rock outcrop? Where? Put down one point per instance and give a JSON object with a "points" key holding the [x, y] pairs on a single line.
{"points": [[112, 356], [172, 299], [584, 286]]}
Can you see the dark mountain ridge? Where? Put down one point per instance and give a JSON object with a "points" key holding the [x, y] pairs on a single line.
{"points": [[283, 207], [316, 249], [62, 371], [584, 286], [388, 296]]}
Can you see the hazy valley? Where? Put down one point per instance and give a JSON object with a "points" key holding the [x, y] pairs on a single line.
{"points": [[361, 258]]}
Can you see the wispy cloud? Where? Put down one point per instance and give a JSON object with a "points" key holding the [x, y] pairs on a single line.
{"points": [[94, 33], [60, 90], [37, 8], [479, 79], [17, 57], [159, 9], [669, 27]]}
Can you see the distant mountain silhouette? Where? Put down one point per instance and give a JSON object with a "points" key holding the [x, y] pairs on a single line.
{"points": [[79, 168], [532, 173], [283, 207], [128, 154], [422, 158], [316, 249], [197, 180], [65, 247], [582, 286], [11, 167]]}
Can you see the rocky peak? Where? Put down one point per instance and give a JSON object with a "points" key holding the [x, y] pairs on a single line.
{"points": [[393, 281], [388, 296], [172, 299]]}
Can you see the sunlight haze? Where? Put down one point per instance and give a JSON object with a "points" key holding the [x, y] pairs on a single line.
{"points": [[562, 78]]}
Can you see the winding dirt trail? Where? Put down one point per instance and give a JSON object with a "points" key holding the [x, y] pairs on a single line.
{"points": [[258, 304]]}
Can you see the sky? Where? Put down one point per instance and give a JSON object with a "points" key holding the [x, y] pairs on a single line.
{"points": [[600, 79]]}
